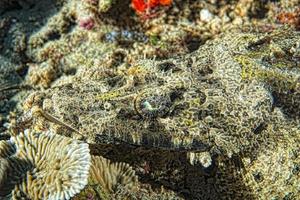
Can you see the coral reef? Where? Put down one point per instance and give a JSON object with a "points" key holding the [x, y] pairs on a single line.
{"points": [[109, 175], [74, 52], [154, 96], [90, 25], [45, 166], [107, 179]]}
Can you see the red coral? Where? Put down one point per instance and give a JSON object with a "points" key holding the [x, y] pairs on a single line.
{"points": [[142, 6], [165, 2], [139, 5]]}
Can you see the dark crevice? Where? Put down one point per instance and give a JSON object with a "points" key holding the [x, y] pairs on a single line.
{"points": [[70, 71], [260, 128], [166, 66], [71, 25], [289, 102], [193, 43], [11, 7], [53, 36], [259, 10], [22, 71]]}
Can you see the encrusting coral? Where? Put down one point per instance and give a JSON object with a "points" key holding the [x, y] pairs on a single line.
{"points": [[216, 103], [46, 166]]}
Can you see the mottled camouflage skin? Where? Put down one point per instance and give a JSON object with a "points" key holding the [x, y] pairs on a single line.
{"points": [[216, 99]]}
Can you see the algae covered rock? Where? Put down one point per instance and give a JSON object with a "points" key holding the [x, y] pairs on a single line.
{"points": [[205, 101]]}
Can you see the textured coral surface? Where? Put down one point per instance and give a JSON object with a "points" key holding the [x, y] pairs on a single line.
{"points": [[44, 166]]}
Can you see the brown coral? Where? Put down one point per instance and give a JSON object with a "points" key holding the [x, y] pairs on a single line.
{"points": [[47, 166]]}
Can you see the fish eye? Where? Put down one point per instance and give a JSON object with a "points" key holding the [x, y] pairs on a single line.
{"points": [[153, 105]]}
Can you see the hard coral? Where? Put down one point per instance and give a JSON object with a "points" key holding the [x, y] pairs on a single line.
{"points": [[111, 175], [46, 166], [106, 179]]}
